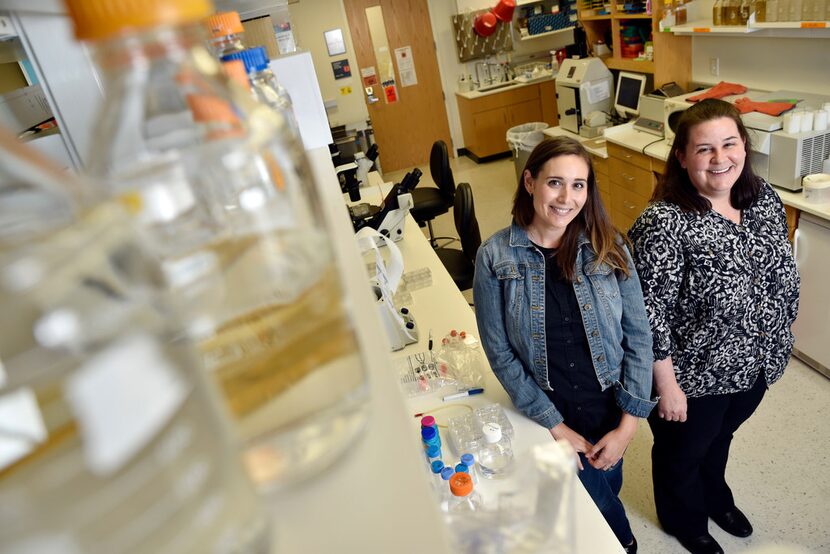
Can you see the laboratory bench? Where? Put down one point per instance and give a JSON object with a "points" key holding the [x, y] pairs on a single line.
{"points": [[437, 309]]}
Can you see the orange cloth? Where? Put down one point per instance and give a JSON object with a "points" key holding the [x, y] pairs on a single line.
{"points": [[719, 91], [745, 105]]}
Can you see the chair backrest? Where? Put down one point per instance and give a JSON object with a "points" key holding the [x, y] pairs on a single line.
{"points": [[439, 169], [466, 223]]}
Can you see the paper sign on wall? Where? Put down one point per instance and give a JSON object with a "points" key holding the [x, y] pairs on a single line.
{"points": [[406, 66], [390, 91], [341, 69], [370, 77]]}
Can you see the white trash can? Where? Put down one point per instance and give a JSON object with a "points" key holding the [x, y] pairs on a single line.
{"points": [[522, 140]]}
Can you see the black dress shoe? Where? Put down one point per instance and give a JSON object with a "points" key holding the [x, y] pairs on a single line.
{"points": [[631, 548], [704, 544], [734, 522]]}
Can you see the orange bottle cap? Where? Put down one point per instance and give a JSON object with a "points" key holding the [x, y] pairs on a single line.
{"points": [[461, 484], [224, 23], [98, 19], [235, 69]]}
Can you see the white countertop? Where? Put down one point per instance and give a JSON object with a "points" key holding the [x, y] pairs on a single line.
{"points": [[440, 308], [595, 146], [473, 94], [796, 200]]}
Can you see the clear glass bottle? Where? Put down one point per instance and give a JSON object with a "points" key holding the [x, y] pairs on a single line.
{"points": [[732, 12], [760, 11], [743, 12], [496, 455], [680, 13], [118, 442], [265, 84], [225, 32], [465, 498], [233, 214], [717, 13]]}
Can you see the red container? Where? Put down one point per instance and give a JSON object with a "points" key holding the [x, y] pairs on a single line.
{"points": [[504, 10], [485, 24]]}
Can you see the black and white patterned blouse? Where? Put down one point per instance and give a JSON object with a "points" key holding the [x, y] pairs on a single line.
{"points": [[721, 297]]}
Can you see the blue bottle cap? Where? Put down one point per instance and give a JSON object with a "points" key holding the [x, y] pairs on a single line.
{"points": [[428, 433], [446, 473], [434, 451], [462, 468], [255, 59], [437, 466], [467, 460]]}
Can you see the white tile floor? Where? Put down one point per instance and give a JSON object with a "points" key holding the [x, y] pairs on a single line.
{"points": [[780, 461]]}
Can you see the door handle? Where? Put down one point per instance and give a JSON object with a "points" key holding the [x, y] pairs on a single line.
{"points": [[570, 111]]}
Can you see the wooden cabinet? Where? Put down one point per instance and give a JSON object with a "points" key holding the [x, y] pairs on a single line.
{"points": [[486, 119], [603, 180], [633, 176], [672, 53]]}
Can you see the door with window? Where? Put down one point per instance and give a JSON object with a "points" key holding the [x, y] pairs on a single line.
{"points": [[393, 38]]}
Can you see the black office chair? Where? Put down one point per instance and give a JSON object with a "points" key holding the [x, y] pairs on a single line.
{"points": [[430, 202], [460, 264]]}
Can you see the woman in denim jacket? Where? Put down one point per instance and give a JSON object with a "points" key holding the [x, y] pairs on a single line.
{"points": [[562, 321]]}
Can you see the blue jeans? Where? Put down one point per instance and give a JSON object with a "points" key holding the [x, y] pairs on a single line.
{"points": [[604, 488]]}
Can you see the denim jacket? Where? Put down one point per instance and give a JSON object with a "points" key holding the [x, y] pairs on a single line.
{"points": [[509, 292]]}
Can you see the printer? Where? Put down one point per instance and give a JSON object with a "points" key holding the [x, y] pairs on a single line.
{"points": [[780, 157], [582, 86]]}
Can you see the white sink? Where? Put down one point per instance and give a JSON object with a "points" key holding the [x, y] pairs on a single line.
{"points": [[496, 86]]}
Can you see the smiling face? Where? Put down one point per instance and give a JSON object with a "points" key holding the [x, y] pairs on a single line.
{"points": [[559, 192], [714, 157]]}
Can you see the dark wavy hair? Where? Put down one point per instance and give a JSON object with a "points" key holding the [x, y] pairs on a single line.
{"points": [[676, 187], [592, 220]]}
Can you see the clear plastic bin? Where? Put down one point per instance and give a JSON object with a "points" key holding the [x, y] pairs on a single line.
{"points": [[522, 139]]}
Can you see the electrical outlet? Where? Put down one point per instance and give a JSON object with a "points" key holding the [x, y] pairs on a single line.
{"points": [[714, 66]]}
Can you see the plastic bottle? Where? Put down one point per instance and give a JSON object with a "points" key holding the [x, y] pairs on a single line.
{"points": [[445, 494], [433, 453], [496, 455], [436, 468], [265, 84], [760, 11], [430, 437], [680, 13], [118, 418], [470, 461], [225, 31], [237, 223], [464, 499]]}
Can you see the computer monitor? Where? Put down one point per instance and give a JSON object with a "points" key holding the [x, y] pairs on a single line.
{"points": [[630, 86]]}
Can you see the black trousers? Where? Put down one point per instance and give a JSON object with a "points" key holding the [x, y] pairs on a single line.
{"points": [[689, 459]]}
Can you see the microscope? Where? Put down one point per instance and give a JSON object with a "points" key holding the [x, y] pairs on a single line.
{"points": [[388, 218], [352, 174]]}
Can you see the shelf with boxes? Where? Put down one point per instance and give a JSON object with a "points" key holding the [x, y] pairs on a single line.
{"points": [[627, 28], [545, 17]]}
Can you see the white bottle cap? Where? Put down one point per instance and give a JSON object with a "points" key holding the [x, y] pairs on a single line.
{"points": [[492, 432]]}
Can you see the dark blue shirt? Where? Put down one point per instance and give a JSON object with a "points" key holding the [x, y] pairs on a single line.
{"points": [[586, 408]]}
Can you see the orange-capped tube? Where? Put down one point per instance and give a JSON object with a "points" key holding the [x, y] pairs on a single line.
{"points": [[224, 23], [461, 484], [98, 19]]}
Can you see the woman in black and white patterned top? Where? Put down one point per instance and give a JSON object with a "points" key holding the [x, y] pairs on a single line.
{"points": [[721, 292]]}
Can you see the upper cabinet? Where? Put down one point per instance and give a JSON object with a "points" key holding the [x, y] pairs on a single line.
{"points": [[629, 26]]}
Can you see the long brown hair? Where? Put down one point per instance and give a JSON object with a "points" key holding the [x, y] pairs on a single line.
{"points": [[676, 187], [592, 219]]}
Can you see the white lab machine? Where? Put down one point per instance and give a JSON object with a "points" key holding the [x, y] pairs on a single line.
{"points": [[780, 157], [582, 86]]}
